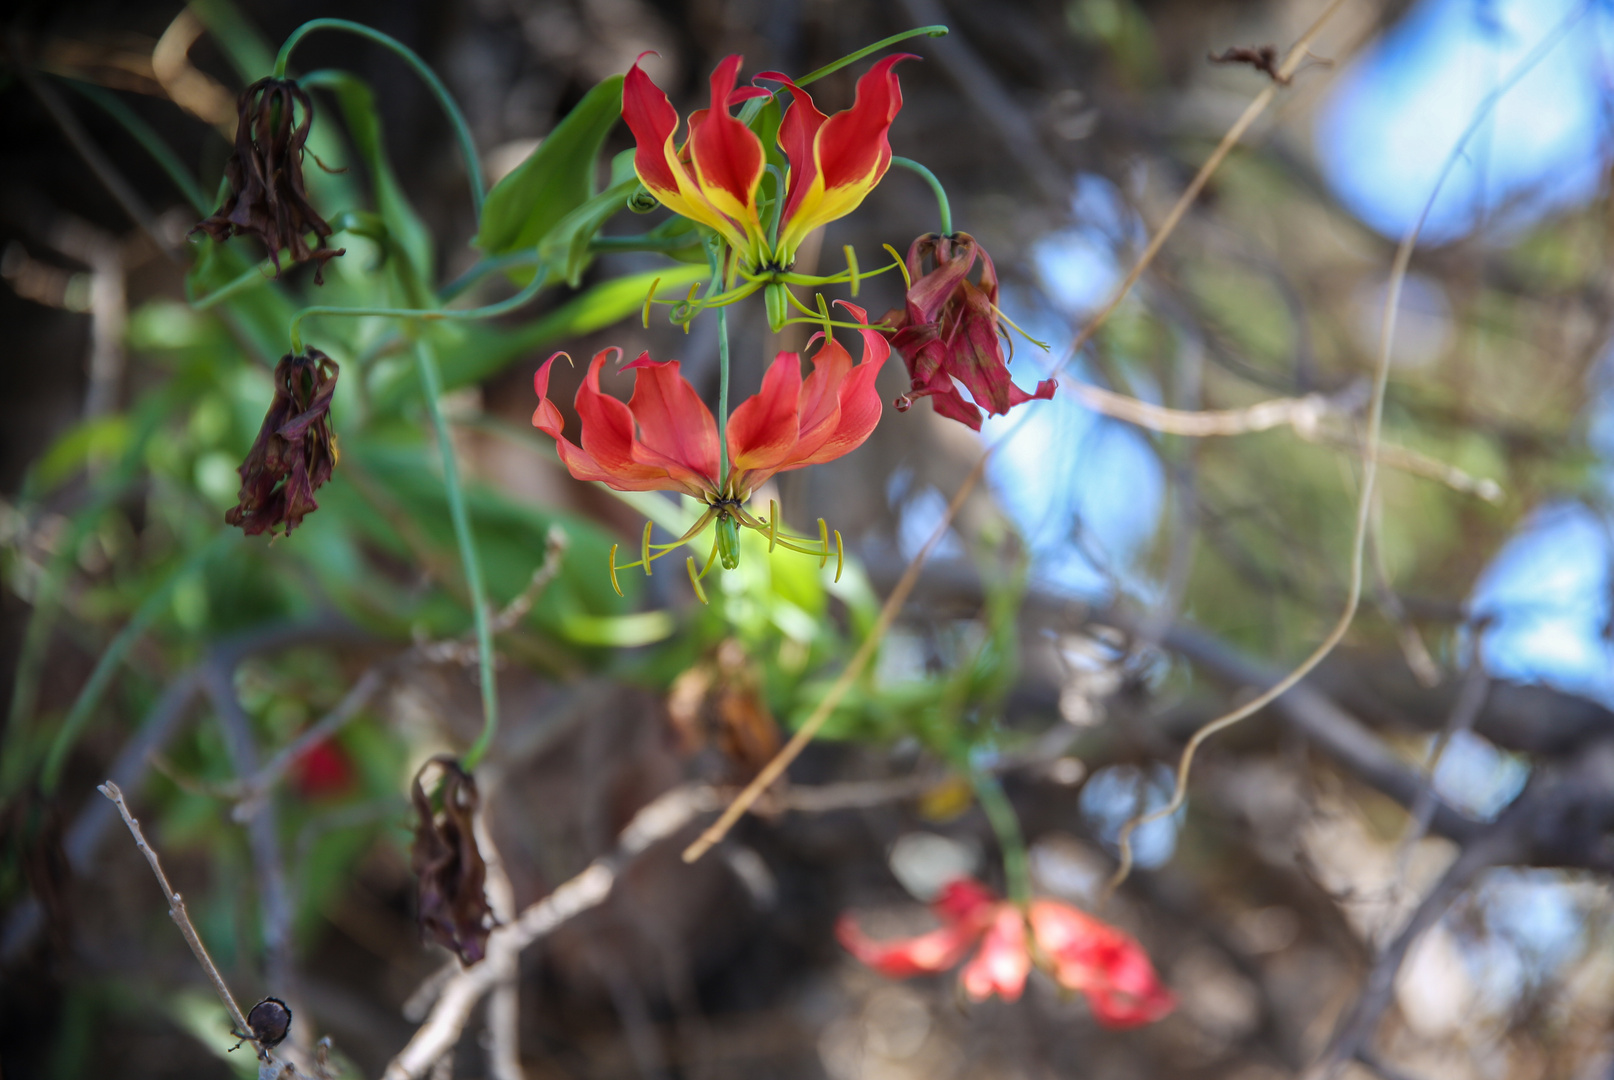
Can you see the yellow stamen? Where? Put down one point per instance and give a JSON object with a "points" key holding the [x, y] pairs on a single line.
{"points": [[908, 281], [1043, 345], [851, 265], [823, 540], [695, 580], [648, 300], [614, 583], [644, 548], [840, 556]]}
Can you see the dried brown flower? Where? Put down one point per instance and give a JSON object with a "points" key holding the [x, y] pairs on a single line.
{"points": [[948, 332], [267, 199], [295, 449], [449, 869]]}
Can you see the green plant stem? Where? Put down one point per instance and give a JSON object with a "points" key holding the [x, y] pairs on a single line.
{"points": [[937, 30], [488, 311], [160, 151], [462, 130], [89, 697], [432, 382], [1006, 825], [943, 206], [723, 395]]}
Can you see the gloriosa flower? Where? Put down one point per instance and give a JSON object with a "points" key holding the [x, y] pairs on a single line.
{"points": [[266, 198], [664, 438], [295, 450], [715, 176], [1078, 951], [950, 329]]}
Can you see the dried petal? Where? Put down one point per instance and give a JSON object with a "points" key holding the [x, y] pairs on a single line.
{"points": [[267, 198], [295, 450], [449, 869], [949, 330]]}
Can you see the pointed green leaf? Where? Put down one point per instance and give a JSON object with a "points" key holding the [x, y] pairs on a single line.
{"points": [[565, 250], [404, 226], [556, 179]]}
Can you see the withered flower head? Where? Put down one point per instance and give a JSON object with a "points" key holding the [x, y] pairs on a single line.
{"points": [[451, 874], [267, 199], [295, 449], [949, 329]]}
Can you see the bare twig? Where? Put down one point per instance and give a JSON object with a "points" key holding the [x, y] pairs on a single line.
{"points": [[656, 821], [176, 911], [1306, 416], [504, 1008]]}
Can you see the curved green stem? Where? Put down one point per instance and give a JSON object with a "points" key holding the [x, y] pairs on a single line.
{"points": [[488, 311], [432, 382], [462, 130], [851, 58], [942, 205], [1006, 825], [153, 143]]}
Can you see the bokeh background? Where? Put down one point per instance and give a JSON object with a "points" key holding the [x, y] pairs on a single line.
{"points": [[1108, 589]]}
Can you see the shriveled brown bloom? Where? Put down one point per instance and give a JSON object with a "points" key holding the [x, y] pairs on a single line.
{"points": [[267, 199], [449, 869], [295, 449], [949, 329]]}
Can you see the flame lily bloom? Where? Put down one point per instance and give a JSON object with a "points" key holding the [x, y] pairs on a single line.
{"points": [[949, 328], [1079, 951], [714, 178], [665, 439]]}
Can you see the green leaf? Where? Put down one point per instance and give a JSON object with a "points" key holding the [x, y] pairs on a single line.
{"points": [[564, 251], [404, 226], [556, 179]]}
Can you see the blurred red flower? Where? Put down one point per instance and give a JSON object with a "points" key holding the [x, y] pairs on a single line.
{"points": [[322, 770], [1078, 951]]}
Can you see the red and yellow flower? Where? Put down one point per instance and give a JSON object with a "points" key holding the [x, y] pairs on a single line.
{"points": [[715, 176], [1080, 952], [664, 438]]}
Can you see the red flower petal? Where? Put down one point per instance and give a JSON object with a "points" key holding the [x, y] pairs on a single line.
{"points": [[1002, 964], [652, 119], [676, 429], [763, 430], [607, 450], [728, 157], [926, 954], [849, 152], [1103, 962], [660, 166], [858, 400]]}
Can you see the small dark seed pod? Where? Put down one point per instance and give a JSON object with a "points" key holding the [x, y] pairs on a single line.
{"points": [[270, 1021]]}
